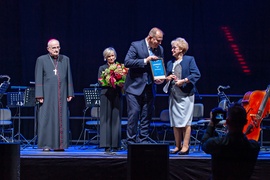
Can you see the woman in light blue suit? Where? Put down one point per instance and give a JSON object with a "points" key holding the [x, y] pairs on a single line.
{"points": [[182, 75]]}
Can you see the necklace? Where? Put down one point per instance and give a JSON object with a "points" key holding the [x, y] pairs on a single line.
{"points": [[55, 65]]}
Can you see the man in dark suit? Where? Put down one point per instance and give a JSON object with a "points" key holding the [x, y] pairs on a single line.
{"points": [[140, 86]]}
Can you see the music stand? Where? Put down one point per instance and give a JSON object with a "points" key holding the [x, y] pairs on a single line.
{"points": [[92, 99], [29, 97], [16, 99], [30, 101]]}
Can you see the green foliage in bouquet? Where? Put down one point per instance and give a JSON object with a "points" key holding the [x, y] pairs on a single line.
{"points": [[113, 76]]}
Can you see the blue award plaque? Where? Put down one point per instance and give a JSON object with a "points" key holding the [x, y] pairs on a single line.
{"points": [[158, 69]]}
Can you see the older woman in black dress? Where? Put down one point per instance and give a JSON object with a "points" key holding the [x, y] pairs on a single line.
{"points": [[110, 108]]}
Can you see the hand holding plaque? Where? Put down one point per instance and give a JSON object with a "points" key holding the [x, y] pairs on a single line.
{"points": [[158, 69]]}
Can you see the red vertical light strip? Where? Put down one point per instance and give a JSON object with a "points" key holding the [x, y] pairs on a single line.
{"points": [[235, 48]]}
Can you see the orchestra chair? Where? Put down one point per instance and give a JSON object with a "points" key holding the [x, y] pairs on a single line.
{"points": [[6, 125], [165, 123], [93, 125], [198, 125], [161, 126]]}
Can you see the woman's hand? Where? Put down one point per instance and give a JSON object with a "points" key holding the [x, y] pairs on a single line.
{"points": [[170, 77], [180, 82]]}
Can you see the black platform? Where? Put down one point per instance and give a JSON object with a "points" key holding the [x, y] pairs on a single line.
{"points": [[91, 162]]}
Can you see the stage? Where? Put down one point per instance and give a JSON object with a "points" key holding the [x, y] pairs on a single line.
{"points": [[90, 162]]}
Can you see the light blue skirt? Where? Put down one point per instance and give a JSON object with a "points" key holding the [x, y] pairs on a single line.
{"points": [[181, 108]]}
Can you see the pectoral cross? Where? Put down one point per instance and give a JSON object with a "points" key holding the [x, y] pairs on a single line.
{"points": [[55, 71]]}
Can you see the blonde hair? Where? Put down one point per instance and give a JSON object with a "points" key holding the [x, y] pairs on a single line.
{"points": [[108, 51], [181, 43]]}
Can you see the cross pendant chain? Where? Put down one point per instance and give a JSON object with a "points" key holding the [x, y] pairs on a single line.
{"points": [[55, 64], [55, 69]]}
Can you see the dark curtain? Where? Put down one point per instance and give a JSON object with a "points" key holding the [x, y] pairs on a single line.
{"points": [[86, 28]]}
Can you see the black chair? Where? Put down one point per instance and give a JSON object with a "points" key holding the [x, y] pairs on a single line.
{"points": [[94, 125]]}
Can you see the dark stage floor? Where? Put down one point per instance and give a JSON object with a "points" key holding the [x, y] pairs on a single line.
{"points": [[91, 162]]}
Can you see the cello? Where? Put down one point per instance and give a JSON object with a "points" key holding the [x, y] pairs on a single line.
{"points": [[257, 106]]}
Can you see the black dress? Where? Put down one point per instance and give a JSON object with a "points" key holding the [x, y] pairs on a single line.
{"points": [[110, 115]]}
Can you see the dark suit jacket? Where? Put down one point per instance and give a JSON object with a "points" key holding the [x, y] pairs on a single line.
{"points": [[189, 70], [138, 73]]}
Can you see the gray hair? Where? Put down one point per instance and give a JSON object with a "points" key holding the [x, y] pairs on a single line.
{"points": [[108, 51], [52, 40]]}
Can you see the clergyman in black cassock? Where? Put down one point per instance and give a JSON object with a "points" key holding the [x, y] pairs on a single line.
{"points": [[53, 91]]}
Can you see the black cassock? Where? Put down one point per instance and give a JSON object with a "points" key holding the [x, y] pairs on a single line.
{"points": [[53, 82]]}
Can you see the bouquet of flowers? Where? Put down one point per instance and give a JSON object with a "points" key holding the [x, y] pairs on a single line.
{"points": [[114, 75]]}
